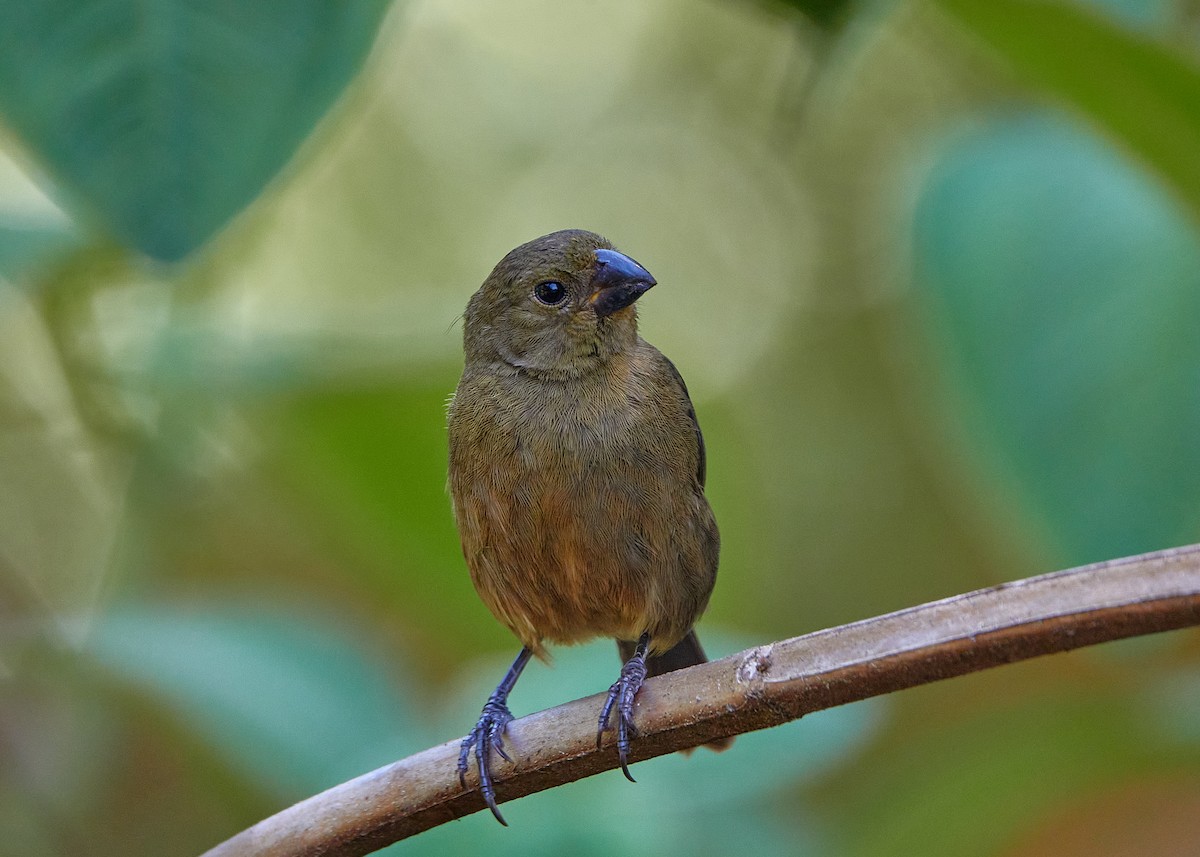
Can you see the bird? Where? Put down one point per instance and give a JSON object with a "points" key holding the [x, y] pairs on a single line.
{"points": [[576, 476]]}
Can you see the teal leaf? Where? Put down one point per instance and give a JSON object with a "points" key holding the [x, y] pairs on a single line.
{"points": [[1064, 289], [1143, 94], [26, 249], [163, 119], [294, 706]]}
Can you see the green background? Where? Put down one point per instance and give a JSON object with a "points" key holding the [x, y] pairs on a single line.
{"points": [[930, 269]]}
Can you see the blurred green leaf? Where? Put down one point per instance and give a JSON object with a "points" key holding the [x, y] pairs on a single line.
{"points": [[166, 118], [824, 13], [60, 505], [372, 463], [1139, 14], [296, 707], [26, 248], [1065, 289], [1142, 93]]}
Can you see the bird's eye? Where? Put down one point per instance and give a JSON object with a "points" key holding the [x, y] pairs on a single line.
{"points": [[551, 292]]}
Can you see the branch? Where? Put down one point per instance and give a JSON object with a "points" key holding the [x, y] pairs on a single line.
{"points": [[755, 689]]}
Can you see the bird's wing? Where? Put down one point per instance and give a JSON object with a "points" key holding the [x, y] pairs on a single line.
{"points": [[702, 466]]}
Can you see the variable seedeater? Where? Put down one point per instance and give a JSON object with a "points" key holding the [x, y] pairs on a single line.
{"points": [[577, 474]]}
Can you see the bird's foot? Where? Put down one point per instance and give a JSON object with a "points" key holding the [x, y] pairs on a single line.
{"points": [[487, 735], [620, 696]]}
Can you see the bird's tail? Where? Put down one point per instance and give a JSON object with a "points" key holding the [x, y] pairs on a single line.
{"points": [[686, 653]]}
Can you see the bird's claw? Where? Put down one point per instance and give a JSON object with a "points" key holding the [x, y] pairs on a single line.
{"points": [[487, 734], [620, 696]]}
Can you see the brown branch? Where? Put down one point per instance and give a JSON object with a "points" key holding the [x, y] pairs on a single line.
{"points": [[760, 687]]}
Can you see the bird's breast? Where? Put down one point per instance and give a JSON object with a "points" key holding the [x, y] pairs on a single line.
{"points": [[577, 509]]}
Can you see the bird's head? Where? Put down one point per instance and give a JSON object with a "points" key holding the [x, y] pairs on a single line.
{"points": [[558, 306]]}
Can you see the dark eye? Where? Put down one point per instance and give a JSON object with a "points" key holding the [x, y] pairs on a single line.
{"points": [[551, 292]]}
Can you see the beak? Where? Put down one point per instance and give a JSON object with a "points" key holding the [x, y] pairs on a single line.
{"points": [[617, 282]]}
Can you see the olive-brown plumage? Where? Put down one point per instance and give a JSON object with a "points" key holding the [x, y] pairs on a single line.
{"points": [[577, 472]]}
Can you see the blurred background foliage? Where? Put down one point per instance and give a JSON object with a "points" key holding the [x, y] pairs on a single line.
{"points": [[931, 269]]}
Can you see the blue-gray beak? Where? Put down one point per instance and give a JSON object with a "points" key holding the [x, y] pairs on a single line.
{"points": [[617, 282]]}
